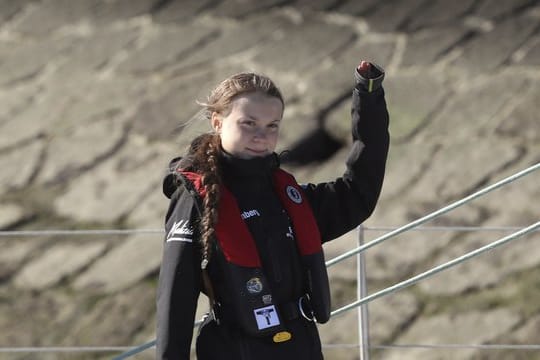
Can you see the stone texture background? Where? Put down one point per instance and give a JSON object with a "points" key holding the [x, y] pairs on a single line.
{"points": [[92, 97]]}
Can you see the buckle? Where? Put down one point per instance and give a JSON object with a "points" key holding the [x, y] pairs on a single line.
{"points": [[215, 312], [305, 300]]}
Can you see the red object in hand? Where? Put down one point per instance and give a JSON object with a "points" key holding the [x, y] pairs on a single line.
{"points": [[363, 68]]}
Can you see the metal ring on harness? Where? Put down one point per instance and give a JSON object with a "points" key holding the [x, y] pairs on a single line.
{"points": [[301, 308], [214, 313]]}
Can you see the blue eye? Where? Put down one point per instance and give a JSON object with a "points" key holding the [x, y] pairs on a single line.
{"points": [[248, 122]]}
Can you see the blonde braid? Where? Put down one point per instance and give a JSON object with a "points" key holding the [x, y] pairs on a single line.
{"points": [[207, 164]]}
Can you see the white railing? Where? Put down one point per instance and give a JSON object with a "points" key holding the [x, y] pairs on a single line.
{"points": [[363, 297]]}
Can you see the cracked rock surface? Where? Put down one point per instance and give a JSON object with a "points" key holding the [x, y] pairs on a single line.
{"points": [[93, 98]]}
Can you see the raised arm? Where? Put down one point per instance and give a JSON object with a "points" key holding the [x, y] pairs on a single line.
{"points": [[343, 204]]}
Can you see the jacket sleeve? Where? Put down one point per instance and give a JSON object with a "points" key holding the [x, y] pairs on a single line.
{"points": [[179, 280], [343, 204]]}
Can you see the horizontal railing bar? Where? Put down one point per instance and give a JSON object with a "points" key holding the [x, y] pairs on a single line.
{"points": [[57, 232], [460, 346], [432, 215], [141, 348], [445, 228], [440, 346], [439, 268], [39, 233], [136, 350], [58, 349]]}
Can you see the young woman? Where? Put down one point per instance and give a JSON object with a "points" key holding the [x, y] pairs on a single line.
{"points": [[242, 231]]}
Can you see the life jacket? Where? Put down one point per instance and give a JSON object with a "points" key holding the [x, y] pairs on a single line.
{"points": [[253, 301]]}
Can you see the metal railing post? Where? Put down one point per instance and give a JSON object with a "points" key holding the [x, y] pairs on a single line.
{"points": [[361, 292]]}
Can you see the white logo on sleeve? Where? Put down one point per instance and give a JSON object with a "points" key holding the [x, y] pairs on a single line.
{"points": [[181, 231], [290, 233], [266, 317]]}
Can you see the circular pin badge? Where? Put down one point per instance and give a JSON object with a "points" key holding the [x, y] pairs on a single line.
{"points": [[254, 285], [294, 194]]}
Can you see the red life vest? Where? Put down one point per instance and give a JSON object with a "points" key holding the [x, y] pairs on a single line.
{"points": [[239, 248], [233, 234]]}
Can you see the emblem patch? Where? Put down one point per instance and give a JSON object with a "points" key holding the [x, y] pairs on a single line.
{"points": [[267, 299], [266, 317], [254, 285], [294, 194]]}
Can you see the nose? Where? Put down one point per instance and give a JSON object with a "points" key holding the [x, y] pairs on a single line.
{"points": [[260, 133]]}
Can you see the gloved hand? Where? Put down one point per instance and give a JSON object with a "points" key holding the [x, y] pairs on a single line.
{"points": [[368, 76]]}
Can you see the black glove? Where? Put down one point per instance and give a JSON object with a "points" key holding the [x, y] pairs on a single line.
{"points": [[372, 80]]}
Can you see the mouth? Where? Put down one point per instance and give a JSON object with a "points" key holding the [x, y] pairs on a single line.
{"points": [[257, 152]]}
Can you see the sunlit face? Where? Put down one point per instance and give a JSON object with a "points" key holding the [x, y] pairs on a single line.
{"points": [[251, 128]]}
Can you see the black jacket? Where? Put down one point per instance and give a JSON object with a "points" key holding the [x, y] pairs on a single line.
{"points": [[338, 206]]}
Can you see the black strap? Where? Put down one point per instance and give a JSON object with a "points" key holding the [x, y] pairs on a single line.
{"points": [[207, 283]]}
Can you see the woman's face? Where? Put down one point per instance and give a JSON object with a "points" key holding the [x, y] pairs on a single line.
{"points": [[251, 128]]}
